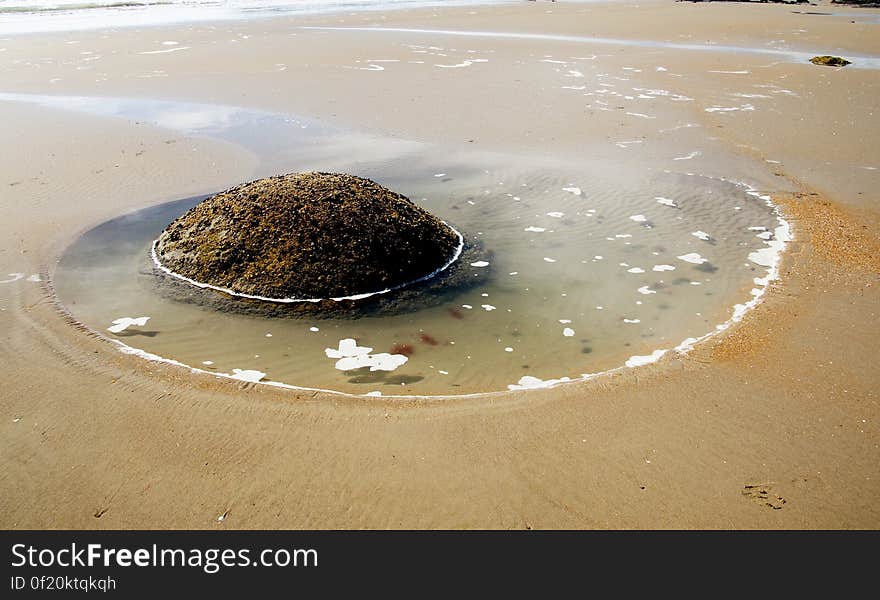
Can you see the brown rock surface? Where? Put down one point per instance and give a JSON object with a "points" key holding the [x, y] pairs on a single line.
{"points": [[306, 235]]}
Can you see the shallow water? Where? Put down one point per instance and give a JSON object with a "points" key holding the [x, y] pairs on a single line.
{"points": [[788, 54], [588, 265], [29, 16]]}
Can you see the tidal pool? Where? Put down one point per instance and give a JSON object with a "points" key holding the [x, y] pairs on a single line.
{"points": [[579, 268]]}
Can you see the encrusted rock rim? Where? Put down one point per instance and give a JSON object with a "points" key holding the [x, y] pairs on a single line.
{"points": [[360, 296]]}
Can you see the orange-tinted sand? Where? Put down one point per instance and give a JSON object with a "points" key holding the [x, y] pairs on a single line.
{"points": [[773, 425]]}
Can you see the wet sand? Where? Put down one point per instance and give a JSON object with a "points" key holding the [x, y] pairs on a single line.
{"points": [[773, 425]]}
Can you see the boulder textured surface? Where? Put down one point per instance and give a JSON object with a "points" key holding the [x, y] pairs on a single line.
{"points": [[306, 235]]}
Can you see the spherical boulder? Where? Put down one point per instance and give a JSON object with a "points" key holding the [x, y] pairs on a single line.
{"points": [[306, 236]]}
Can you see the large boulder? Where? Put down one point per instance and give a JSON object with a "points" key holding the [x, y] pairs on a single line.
{"points": [[307, 236]]}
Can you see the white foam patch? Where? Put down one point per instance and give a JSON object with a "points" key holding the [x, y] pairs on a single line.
{"points": [[532, 229], [34, 278], [665, 201], [744, 107], [123, 323], [556, 215], [149, 356], [640, 115], [732, 72], [632, 320], [314, 329], [693, 257], [573, 190], [351, 356], [251, 375], [488, 307], [347, 349], [12, 277], [677, 127], [661, 268], [638, 218], [166, 51], [666, 94], [693, 154], [549, 260], [480, 264], [463, 64], [635, 270], [638, 361], [766, 257], [376, 362], [646, 290], [568, 332], [527, 382], [702, 235]]}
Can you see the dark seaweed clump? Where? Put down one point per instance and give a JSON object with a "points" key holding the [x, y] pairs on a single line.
{"points": [[830, 61], [754, 1], [306, 235], [864, 3]]}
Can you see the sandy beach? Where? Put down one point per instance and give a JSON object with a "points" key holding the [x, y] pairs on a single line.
{"points": [[772, 424]]}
